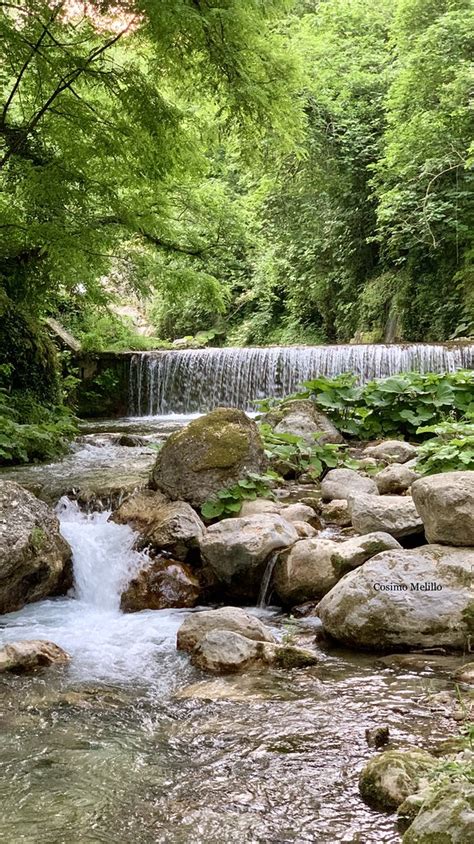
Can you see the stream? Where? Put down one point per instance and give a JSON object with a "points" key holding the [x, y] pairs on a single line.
{"points": [[130, 743]]}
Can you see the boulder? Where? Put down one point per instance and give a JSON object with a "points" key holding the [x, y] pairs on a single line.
{"points": [[171, 526], [388, 779], [416, 598], [342, 483], [237, 550], [212, 452], [445, 503], [336, 512], [35, 560], [197, 624], [225, 652], [392, 451], [395, 479], [299, 512], [312, 567], [259, 506], [394, 514], [29, 655], [301, 418], [446, 816], [162, 584]]}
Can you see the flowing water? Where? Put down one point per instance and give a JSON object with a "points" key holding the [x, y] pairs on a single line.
{"points": [[202, 379], [130, 744]]}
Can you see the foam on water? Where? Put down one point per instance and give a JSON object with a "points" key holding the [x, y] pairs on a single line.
{"points": [[104, 643]]}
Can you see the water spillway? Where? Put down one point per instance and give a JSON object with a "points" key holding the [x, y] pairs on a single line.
{"points": [[199, 380]]}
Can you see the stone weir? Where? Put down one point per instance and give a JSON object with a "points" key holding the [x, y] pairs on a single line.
{"points": [[198, 380]]}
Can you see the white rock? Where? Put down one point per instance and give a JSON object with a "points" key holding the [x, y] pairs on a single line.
{"points": [[392, 451], [197, 624], [342, 483], [445, 503], [416, 598], [394, 514]]}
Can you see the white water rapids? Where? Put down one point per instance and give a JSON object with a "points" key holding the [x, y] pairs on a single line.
{"points": [[104, 643]]}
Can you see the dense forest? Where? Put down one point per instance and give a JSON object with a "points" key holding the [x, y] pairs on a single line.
{"points": [[272, 172]]}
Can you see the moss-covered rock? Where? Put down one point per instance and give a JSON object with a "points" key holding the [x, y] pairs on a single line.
{"points": [[445, 817], [210, 453], [387, 780]]}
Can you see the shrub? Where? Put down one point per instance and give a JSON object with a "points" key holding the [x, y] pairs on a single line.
{"points": [[450, 450]]}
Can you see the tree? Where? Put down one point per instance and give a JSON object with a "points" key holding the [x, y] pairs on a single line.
{"points": [[106, 121]]}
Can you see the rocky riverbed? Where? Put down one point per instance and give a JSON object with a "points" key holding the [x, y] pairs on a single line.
{"points": [[258, 727]]}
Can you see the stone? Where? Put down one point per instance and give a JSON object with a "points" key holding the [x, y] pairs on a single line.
{"points": [[210, 453], [162, 584], [392, 451], [197, 624], [299, 512], [237, 550], [446, 816], [377, 736], [310, 568], [406, 598], [445, 503], [395, 479], [35, 560], [388, 779], [259, 506], [226, 652], [171, 526], [304, 530], [30, 655], [394, 514], [336, 512], [301, 418], [465, 674], [342, 483]]}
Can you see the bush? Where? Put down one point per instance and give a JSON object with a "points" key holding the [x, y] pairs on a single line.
{"points": [[395, 406], [30, 431], [450, 450]]}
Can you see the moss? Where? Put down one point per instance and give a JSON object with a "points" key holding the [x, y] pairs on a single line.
{"points": [[221, 439], [38, 538], [387, 780], [289, 657], [27, 351]]}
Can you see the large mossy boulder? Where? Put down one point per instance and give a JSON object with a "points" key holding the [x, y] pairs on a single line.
{"points": [[237, 551], [446, 816], [388, 779], [301, 418], [417, 598], [212, 452], [311, 567], [445, 503], [35, 560]]}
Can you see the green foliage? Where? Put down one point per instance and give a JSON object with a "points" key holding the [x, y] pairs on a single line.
{"points": [[28, 359], [450, 450], [30, 431], [299, 455], [396, 406], [228, 501]]}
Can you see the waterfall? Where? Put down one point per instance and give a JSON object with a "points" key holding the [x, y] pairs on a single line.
{"points": [[199, 380]]}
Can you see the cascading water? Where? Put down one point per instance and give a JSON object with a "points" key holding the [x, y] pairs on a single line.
{"points": [[104, 643], [199, 380]]}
